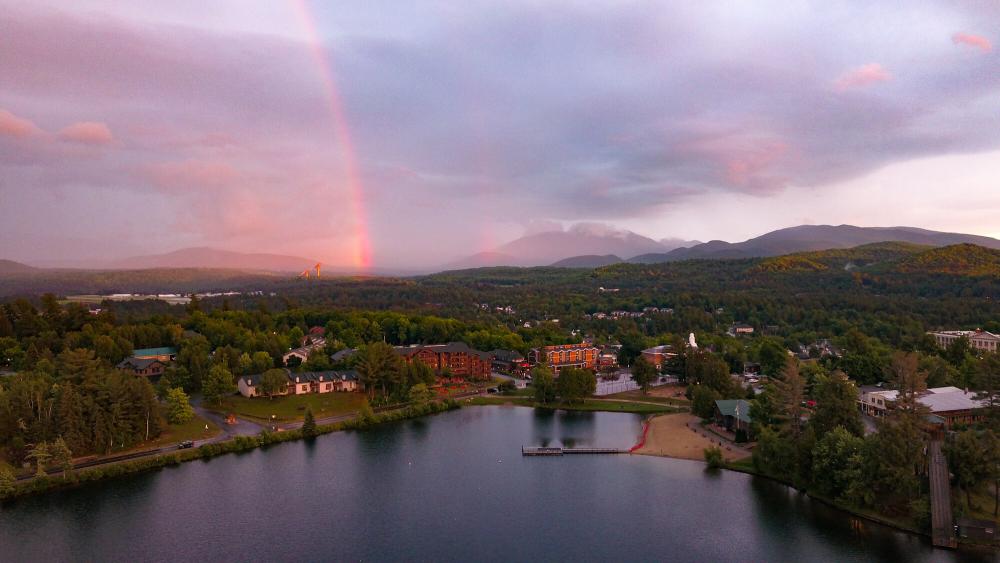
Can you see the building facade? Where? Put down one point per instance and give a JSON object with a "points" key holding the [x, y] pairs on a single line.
{"points": [[583, 356], [145, 367], [456, 358], [303, 383], [978, 339], [951, 404]]}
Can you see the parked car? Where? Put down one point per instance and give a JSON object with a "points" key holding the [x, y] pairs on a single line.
{"points": [[185, 445]]}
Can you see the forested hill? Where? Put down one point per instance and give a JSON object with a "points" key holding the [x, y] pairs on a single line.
{"points": [[12, 267], [841, 258], [960, 260]]}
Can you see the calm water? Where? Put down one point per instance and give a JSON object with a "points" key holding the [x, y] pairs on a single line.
{"points": [[449, 487]]}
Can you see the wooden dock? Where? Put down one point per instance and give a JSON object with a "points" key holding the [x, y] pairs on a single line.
{"points": [[942, 529], [546, 451]]}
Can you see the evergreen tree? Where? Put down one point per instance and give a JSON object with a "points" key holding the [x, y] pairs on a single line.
{"points": [[309, 424], [62, 457], [40, 453], [72, 424]]}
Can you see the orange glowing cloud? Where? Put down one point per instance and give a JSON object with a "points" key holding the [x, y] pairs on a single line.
{"points": [[862, 76], [977, 41], [14, 126], [87, 132]]}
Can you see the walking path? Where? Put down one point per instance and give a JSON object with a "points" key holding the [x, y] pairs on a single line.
{"points": [[942, 529]]}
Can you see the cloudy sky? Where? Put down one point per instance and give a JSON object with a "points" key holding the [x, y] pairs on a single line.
{"points": [[394, 133]]}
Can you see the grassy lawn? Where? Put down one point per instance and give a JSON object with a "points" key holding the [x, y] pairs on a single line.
{"points": [[652, 397], [586, 405], [293, 407], [194, 429]]}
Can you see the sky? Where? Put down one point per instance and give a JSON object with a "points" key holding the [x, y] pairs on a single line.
{"points": [[397, 134]]}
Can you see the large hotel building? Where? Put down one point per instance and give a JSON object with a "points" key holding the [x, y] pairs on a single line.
{"points": [[566, 355], [978, 339]]}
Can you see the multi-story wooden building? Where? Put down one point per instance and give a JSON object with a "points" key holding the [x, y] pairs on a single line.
{"points": [[456, 358], [303, 383], [584, 355]]}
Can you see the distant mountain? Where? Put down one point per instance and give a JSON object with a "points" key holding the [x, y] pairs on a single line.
{"points": [[808, 238], [587, 261], [203, 257], [12, 267], [584, 239], [675, 243]]}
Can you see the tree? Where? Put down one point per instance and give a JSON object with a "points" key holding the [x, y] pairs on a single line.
{"points": [[772, 356], [379, 367], [62, 457], [703, 401], [40, 453], [544, 383], [835, 459], [575, 384], [309, 424], [179, 408], [713, 457], [988, 383], [836, 405], [420, 394], [973, 458], [789, 393], [218, 385], [72, 423], [261, 362], [643, 373], [8, 481], [273, 381]]}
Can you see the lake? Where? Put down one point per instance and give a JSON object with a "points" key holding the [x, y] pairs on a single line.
{"points": [[448, 487]]}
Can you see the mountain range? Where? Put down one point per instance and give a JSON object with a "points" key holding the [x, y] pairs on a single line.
{"points": [[204, 257]]}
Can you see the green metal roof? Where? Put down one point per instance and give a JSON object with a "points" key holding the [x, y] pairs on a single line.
{"points": [[161, 351], [728, 408]]}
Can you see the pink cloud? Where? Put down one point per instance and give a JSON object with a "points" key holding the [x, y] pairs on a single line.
{"points": [[977, 41], [861, 76], [14, 126], [89, 132]]}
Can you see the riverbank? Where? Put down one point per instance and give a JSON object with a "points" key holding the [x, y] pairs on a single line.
{"points": [[77, 477], [671, 435]]}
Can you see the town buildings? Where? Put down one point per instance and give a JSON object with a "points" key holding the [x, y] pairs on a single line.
{"points": [[584, 355], [149, 362], [740, 329], [951, 404], [658, 355], [734, 416], [978, 339], [455, 358], [145, 367], [303, 383], [510, 362], [301, 354]]}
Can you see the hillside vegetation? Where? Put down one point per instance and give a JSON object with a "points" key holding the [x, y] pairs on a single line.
{"points": [[958, 260]]}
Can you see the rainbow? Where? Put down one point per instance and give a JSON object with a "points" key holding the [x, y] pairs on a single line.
{"points": [[352, 177]]}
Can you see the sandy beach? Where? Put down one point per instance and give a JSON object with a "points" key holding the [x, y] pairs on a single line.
{"points": [[669, 436]]}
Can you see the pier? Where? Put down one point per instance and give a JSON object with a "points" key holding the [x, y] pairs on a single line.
{"points": [[546, 451], [942, 529]]}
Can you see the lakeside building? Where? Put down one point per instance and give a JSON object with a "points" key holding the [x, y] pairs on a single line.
{"points": [[510, 362], [457, 358], [734, 415], [951, 404], [658, 355], [978, 339], [145, 367], [303, 383], [608, 358], [558, 357]]}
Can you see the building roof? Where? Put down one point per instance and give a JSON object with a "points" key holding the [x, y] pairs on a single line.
{"points": [[161, 351], [449, 348], [137, 363], [253, 380], [343, 354], [507, 355], [661, 349], [728, 407], [978, 334], [937, 399]]}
